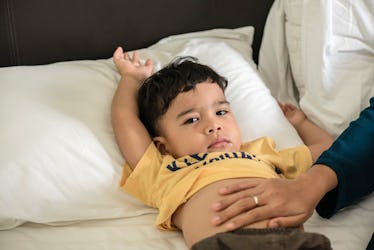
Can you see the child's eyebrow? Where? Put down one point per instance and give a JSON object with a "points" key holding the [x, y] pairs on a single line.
{"points": [[185, 112], [223, 102], [218, 103]]}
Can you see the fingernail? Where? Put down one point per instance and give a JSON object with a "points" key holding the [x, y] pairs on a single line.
{"points": [[216, 205], [216, 220], [273, 225]]}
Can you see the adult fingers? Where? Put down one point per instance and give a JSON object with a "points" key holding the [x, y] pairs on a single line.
{"points": [[234, 209], [234, 194], [288, 221], [238, 186], [249, 217]]}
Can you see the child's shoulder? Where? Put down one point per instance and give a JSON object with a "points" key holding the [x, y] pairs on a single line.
{"points": [[262, 139], [259, 144]]}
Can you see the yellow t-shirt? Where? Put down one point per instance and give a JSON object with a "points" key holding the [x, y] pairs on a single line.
{"points": [[165, 183]]}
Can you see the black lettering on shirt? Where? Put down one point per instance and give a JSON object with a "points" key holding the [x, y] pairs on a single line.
{"points": [[201, 158]]}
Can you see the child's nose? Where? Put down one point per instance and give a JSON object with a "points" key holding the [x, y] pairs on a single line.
{"points": [[213, 127]]}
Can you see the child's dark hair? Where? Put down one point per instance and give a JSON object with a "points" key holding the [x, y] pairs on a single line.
{"points": [[160, 89]]}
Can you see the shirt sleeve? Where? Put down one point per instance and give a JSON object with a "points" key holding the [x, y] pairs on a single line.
{"points": [[291, 161], [295, 161], [351, 157], [139, 182]]}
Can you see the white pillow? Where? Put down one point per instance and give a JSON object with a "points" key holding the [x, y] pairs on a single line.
{"points": [[59, 161], [58, 158]]}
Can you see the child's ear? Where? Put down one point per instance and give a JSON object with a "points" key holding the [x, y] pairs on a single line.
{"points": [[161, 143]]}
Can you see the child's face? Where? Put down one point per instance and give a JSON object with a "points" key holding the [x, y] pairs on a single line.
{"points": [[197, 121]]}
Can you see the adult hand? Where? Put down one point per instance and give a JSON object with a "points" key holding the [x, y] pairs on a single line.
{"points": [[287, 203]]}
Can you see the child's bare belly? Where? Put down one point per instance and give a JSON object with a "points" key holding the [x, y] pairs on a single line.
{"points": [[194, 217]]}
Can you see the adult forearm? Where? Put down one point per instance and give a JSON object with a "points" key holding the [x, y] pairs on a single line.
{"points": [[319, 180], [351, 158]]}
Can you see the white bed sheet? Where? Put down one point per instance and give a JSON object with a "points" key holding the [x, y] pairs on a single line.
{"points": [[349, 230], [125, 233]]}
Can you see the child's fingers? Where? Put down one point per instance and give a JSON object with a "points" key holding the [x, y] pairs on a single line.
{"points": [[281, 105], [118, 53], [289, 106], [149, 63], [126, 56], [135, 57]]}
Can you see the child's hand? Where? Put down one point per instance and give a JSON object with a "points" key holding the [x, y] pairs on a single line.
{"points": [[132, 67], [294, 115]]}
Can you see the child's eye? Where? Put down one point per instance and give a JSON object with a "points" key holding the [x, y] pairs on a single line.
{"points": [[222, 112], [191, 120]]}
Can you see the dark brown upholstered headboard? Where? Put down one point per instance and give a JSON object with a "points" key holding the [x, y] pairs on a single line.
{"points": [[45, 31]]}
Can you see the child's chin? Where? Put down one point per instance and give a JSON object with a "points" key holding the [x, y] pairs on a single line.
{"points": [[226, 148]]}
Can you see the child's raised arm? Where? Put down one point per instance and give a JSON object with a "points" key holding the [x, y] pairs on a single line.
{"points": [[317, 139], [131, 135]]}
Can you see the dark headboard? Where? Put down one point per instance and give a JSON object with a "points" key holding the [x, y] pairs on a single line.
{"points": [[45, 31]]}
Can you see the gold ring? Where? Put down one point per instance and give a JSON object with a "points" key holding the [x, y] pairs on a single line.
{"points": [[255, 200]]}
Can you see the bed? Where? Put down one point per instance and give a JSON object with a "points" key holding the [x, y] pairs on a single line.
{"points": [[59, 164]]}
